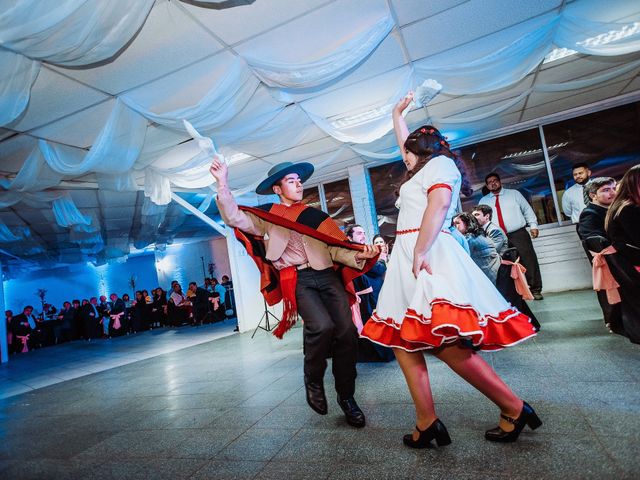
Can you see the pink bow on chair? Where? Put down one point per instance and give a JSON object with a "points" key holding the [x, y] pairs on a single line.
{"points": [[602, 278], [116, 320], [517, 274], [24, 339], [355, 309], [216, 302]]}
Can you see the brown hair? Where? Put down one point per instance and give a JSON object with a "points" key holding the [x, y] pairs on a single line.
{"points": [[427, 142], [628, 194]]}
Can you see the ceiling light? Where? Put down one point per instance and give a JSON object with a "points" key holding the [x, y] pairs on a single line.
{"points": [[602, 39], [526, 153], [557, 54], [362, 118]]}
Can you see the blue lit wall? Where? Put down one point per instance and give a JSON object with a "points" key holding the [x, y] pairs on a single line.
{"points": [[184, 263], [179, 262], [80, 281]]}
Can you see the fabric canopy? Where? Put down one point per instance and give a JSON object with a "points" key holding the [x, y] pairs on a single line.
{"points": [[253, 98]]}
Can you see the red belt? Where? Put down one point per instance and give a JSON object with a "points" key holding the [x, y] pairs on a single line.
{"points": [[415, 230]]}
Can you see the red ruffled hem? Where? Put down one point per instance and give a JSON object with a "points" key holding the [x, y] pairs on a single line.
{"points": [[448, 323]]}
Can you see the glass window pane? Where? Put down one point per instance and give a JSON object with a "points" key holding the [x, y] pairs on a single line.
{"points": [[338, 198], [386, 180], [608, 142], [519, 160], [311, 197]]}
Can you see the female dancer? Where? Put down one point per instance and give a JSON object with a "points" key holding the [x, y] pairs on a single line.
{"points": [[435, 297]]}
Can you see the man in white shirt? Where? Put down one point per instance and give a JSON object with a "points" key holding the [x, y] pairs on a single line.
{"points": [[513, 214], [575, 198]]}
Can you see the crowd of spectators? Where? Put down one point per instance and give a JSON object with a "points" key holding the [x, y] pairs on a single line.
{"points": [[101, 318]]}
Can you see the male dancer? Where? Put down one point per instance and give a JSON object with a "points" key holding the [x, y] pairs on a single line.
{"points": [[306, 256]]}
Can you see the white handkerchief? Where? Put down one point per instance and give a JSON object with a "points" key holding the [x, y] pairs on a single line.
{"points": [[205, 143], [427, 91]]}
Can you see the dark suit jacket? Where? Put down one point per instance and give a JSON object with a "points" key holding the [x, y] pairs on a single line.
{"points": [[624, 233], [20, 325], [202, 298], [591, 222]]}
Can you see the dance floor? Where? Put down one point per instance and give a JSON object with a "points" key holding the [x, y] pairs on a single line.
{"points": [[234, 407]]}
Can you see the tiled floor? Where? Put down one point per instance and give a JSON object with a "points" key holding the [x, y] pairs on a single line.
{"points": [[43, 367], [235, 408]]}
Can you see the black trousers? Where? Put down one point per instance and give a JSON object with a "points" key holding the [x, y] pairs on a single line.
{"points": [[328, 328], [522, 241], [506, 286]]}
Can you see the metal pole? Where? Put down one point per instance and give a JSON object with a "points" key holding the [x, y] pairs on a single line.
{"points": [[323, 199], [199, 214], [552, 182]]}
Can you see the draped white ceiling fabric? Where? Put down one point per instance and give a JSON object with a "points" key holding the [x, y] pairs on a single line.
{"points": [[82, 85]]}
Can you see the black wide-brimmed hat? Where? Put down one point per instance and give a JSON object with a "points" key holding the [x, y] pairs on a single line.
{"points": [[281, 170]]}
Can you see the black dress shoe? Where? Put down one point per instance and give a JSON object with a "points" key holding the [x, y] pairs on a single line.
{"points": [[527, 417], [316, 397], [436, 431], [352, 412]]}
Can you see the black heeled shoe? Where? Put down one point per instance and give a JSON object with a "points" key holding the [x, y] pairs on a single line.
{"points": [[436, 431], [527, 417]]}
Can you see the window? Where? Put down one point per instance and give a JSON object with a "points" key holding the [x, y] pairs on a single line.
{"points": [[608, 142], [311, 197], [338, 198], [386, 181], [519, 160]]}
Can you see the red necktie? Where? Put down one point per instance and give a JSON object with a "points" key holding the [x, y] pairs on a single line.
{"points": [[499, 212]]}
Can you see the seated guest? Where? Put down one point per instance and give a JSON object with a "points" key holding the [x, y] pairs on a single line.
{"points": [[48, 324], [623, 228], [158, 307], [117, 325], [482, 249], [128, 306], [218, 305], [94, 319], [49, 311], [148, 300], [85, 319], [64, 331], [219, 288], [105, 320], [22, 330], [484, 214], [77, 329], [183, 307], [601, 191], [138, 312], [201, 303]]}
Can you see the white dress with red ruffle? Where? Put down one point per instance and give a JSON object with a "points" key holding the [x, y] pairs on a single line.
{"points": [[457, 301]]}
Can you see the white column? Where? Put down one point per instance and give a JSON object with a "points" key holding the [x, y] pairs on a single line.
{"points": [[3, 324], [364, 208]]}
